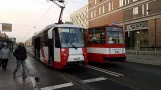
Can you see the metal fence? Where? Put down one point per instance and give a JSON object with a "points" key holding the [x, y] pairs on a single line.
{"points": [[146, 53]]}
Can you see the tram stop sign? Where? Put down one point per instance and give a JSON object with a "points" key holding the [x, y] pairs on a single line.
{"points": [[6, 27]]}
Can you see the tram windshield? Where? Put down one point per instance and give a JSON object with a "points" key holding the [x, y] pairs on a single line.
{"points": [[115, 35], [72, 37]]}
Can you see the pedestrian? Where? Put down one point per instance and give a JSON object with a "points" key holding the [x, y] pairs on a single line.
{"points": [[21, 55], [4, 55]]}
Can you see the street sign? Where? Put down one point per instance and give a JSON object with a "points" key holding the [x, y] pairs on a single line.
{"points": [[6, 27]]}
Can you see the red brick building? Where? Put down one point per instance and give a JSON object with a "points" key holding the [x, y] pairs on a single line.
{"points": [[141, 19]]}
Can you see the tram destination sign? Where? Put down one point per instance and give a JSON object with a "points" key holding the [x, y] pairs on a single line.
{"points": [[114, 29]]}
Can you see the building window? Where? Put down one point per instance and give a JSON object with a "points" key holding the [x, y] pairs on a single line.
{"points": [[109, 6], [91, 14], [128, 1], [94, 13], [135, 11], [135, 0], [99, 10], [89, 5], [147, 9], [125, 2], [112, 5], [97, 36], [103, 9], [121, 3], [95, 2], [143, 10]]}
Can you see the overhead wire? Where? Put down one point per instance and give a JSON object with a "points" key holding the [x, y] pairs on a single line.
{"points": [[49, 10], [74, 1], [43, 15], [37, 21]]}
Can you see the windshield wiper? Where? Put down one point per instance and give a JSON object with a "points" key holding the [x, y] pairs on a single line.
{"points": [[67, 41], [73, 46]]}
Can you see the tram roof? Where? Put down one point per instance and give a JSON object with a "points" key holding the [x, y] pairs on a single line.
{"points": [[58, 25]]}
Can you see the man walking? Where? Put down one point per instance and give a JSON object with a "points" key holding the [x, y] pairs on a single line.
{"points": [[21, 55], [4, 55]]}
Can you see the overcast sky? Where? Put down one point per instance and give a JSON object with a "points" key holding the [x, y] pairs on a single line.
{"points": [[25, 14]]}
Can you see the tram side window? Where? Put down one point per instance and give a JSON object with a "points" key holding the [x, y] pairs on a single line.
{"points": [[97, 36], [44, 38]]}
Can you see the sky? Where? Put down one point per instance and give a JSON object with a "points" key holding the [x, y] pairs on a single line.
{"points": [[26, 15]]}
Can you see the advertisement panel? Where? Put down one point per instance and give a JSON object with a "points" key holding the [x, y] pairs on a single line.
{"points": [[6, 27]]}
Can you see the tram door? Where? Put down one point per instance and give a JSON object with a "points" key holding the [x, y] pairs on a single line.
{"points": [[37, 47], [51, 50]]}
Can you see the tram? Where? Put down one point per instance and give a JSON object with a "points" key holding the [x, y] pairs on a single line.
{"points": [[105, 43], [60, 45]]}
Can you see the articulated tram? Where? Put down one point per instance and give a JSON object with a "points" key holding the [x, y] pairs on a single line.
{"points": [[60, 45], [105, 43]]}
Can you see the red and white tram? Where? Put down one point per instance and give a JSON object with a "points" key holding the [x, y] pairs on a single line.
{"points": [[60, 45], [105, 43]]}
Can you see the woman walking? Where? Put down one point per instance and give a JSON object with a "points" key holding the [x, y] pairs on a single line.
{"points": [[4, 55]]}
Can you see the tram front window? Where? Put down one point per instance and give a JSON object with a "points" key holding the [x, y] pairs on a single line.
{"points": [[115, 35], [72, 37]]}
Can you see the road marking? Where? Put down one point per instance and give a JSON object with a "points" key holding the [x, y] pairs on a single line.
{"points": [[29, 49], [33, 81], [58, 86], [93, 80], [105, 71], [71, 84], [124, 84]]}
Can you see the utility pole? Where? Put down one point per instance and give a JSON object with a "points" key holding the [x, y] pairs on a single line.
{"points": [[155, 33]]}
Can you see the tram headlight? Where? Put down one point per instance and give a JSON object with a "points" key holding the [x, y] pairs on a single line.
{"points": [[63, 50]]}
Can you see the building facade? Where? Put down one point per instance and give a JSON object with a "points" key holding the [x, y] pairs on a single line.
{"points": [[80, 17], [28, 42], [141, 19]]}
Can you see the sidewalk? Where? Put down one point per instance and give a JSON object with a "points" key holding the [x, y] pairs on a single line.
{"points": [[7, 82], [152, 60]]}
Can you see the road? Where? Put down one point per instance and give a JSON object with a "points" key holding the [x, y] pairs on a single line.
{"points": [[109, 76]]}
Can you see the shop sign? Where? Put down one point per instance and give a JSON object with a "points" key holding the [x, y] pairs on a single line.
{"points": [[137, 26]]}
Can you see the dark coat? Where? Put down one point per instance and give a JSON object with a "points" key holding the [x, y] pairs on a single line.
{"points": [[20, 53]]}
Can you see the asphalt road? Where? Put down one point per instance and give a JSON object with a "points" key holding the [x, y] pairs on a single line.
{"points": [[109, 76]]}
